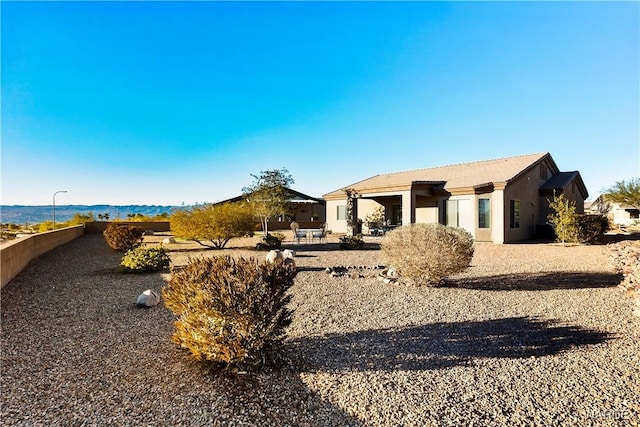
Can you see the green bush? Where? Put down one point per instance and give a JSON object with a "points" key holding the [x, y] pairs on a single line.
{"points": [[351, 242], [427, 253], [144, 259], [231, 311], [591, 228], [123, 237], [271, 241], [563, 219]]}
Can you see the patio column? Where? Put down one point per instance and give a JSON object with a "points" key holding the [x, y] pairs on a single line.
{"points": [[408, 207], [352, 212], [499, 216]]}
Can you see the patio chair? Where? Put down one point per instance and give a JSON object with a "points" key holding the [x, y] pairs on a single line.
{"points": [[320, 234], [375, 230], [297, 234]]}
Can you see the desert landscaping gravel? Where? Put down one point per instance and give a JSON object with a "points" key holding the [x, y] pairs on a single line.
{"points": [[530, 335]]}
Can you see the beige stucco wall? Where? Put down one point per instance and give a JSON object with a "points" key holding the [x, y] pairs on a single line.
{"points": [[365, 207], [16, 254], [497, 216], [335, 225], [526, 189], [427, 213]]}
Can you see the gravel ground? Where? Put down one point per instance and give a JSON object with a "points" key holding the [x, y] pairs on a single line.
{"points": [[531, 334]]}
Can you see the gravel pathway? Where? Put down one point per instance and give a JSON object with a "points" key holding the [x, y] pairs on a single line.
{"points": [[532, 334]]}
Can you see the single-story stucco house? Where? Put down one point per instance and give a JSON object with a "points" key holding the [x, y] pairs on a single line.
{"points": [[305, 209], [619, 214], [500, 200]]}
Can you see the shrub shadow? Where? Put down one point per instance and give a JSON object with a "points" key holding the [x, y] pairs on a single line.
{"points": [[536, 281], [311, 269], [326, 247], [441, 345]]}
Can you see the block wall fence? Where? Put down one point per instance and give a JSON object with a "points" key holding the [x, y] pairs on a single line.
{"points": [[16, 254]]}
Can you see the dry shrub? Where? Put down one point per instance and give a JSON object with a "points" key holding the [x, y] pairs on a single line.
{"points": [[231, 311], [591, 228], [123, 237], [427, 253]]}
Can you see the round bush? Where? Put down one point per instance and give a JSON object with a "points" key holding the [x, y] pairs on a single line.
{"points": [[271, 241], [231, 311], [123, 237], [145, 259], [427, 253], [351, 242]]}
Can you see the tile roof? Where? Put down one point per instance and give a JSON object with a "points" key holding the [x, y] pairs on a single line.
{"points": [[454, 176]]}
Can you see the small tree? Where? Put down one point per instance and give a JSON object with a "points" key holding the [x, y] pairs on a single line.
{"points": [[625, 193], [268, 195], [215, 224], [563, 219]]}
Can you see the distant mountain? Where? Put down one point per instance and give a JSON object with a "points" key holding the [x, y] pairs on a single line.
{"points": [[15, 214]]}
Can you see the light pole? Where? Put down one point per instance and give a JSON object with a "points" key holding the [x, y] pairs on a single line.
{"points": [[54, 206]]}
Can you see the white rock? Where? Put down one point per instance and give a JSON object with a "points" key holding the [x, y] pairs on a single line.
{"points": [[288, 253], [274, 256], [148, 298], [168, 240]]}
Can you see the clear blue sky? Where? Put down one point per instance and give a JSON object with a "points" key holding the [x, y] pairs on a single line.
{"points": [[171, 103]]}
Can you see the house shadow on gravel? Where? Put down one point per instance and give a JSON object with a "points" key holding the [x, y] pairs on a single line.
{"points": [[441, 345], [537, 281]]}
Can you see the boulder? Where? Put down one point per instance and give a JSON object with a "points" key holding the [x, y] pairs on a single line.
{"points": [[274, 256], [148, 299]]}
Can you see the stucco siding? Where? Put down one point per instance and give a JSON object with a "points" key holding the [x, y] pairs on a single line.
{"points": [[525, 189], [333, 223]]}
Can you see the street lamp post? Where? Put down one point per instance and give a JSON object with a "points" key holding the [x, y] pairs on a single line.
{"points": [[54, 206]]}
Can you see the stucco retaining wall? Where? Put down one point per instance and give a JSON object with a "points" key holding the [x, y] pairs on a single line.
{"points": [[15, 255]]}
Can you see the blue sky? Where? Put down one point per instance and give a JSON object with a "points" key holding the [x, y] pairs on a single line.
{"points": [[171, 103]]}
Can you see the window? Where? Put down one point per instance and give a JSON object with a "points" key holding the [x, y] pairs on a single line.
{"points": [[484, 213], [342, 212], [514, 213], [452, 217]]}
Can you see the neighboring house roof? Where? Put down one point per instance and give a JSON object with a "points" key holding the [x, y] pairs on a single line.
{"points": [[562, 180], [295, 197], [497, 172]]}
